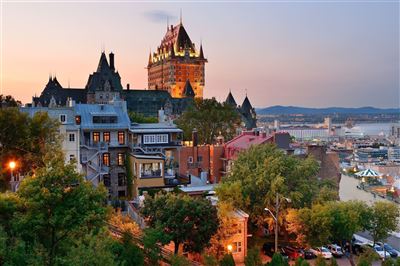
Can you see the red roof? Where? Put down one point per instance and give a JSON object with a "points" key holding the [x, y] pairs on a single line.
{"points": [[244, 141]]}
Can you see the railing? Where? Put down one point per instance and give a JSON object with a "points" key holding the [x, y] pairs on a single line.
{"points": [[151, 173], [194, 165]]}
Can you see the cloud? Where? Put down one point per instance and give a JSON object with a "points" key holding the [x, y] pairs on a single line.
{"points": [[159, 16]]}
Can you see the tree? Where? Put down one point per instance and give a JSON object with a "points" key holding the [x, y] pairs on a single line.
{"points": [[186, 220], [383, 219], [56, 207], [26, 140], [127, 252], [209, 118], [227, 260], [278, 260], [152, 240], [124, 223], [210, 260], [301, 262], [139, 118], [253, 258], [227, 227], [8, 101], [264, 170], [320, 261], [177, 260]]}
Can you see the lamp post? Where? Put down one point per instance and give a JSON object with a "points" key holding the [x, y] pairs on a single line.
{"points": [[12, 165], [276, 217], [363, 182]]}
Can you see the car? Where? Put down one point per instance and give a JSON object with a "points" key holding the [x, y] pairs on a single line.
{"points": [[393, 253], [293, 253], [336, 250], [308, 254], [383, 254], [322, 251]]}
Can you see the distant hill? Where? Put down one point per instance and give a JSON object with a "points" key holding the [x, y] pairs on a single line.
{"points": [[278, 109]]}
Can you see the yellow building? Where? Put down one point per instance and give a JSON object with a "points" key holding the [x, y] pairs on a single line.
{"points": [[175, 63]]}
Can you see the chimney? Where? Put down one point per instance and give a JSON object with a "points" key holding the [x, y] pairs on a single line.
{"points": [[161, 116], [194, 137], [112, 61], [128, 86]]}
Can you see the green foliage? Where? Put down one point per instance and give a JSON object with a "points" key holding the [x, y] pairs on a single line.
{"points": [[301, 262], [278, 260], [210, 260], [264, 170], [383, 219], [186, 220], [177, 260], [140, 118], [367, 257], [9, 101], [253, 258], [210, 118], [152, 240], [128, 253], [25, 140], [129, 176], [320, 261], [227, 260], [50, 211]]}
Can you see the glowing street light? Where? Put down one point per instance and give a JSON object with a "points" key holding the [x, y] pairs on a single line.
{"points": [[12, 165], [230, 248]]}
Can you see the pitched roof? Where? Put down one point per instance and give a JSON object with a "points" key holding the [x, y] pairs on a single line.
{"points": [[230, 100], [103, 63], [188, 90], [201, 52], [246, 105], [177, 37]]}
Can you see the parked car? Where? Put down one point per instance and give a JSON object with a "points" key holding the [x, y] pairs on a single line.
{"points": [[393, 253], [293, 253], [308, 254], [269, 250], [379, 250], [336, 250], [322, 251]]}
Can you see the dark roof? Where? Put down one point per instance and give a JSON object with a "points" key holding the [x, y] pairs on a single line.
{"points": [[201, 52], [188, 90], [230, 100], [246, 105], [103, 77]]}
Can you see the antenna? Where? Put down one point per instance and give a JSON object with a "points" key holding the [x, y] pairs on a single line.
{"points": [[167, 22]]}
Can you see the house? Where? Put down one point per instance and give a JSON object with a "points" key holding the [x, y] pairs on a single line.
{"points": [[154, 151], [69, 129], [104, 130]]}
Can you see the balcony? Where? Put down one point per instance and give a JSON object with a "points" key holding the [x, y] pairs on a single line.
{"points": [[150, 174]]}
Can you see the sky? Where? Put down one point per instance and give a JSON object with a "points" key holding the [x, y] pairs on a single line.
{"points": [[305, 53]]}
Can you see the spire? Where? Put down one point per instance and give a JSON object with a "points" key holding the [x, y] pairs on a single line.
{"points": [[246, 105], [102, 63], [180, 17], [188, 90], [150, 59], [201, 51], [167, 23], [230, 100]]}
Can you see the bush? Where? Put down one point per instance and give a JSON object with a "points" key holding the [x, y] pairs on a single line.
{"points": [[388, 262], [227, 260], [333, 262], [301, 262], [253, 258], [177, 260], [210, 260], [278, 260], [320, 261]]}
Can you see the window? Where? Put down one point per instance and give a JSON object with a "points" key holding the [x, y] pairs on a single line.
{"points": [[106, 180], [190, 159], [156, 138], [121, 179], [96, 137], [106, 159], [200, 158], [105, 119], [121, 159], [71, 157], [121, 193], [72, 137], [63, 118], [236, 247], [121, 137], [106, 137]]}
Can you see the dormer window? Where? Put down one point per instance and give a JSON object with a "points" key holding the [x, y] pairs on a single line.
{"points": [[63, 118]]}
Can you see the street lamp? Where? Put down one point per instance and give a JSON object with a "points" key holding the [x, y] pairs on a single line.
{"points": [[276, 217], [362, 182], [12, 165], [230, 248]]}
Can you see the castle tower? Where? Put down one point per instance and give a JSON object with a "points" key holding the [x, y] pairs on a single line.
{"points": [[176, 61]]}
